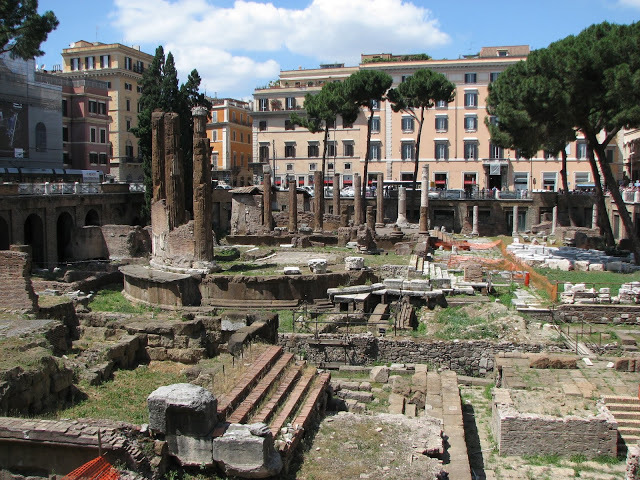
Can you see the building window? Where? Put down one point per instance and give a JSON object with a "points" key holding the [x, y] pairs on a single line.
{"points": [[103, 158], [103, 135], [93, 158], [65, 134], [493, 120], [581, 178], [262, 126], [470, 150], [347, 166], [313, 150], [346, 124], [128, 124], [235, 160], [470, 78], [549, 181], [581, 150], [442, 151], [330, 166], [93, 106], [75, 64], [66, 159], [139, 66], [233, 135], [263, 104], [289, 151], [442, 123], [290, 103], [233, 116], [128, 86], [471, 123], [493, 76], [108, 84], [248, 138], [407, 124], [289, 125], [289, 167], [375, 125], [92, 134], [128, 150], [440, 179], [41, 137], [312, 167], [102, 108], [503, 53], [375, 151], [521, 180], [408, 149], [128, 64], [331, 149], [264, 153], [64, 108], [89, 63], [128, 105], [549, 155], [495, 151], [105, 61], [375, 104], [241, 137], [442, 104], [471, 99], [348, 149]]}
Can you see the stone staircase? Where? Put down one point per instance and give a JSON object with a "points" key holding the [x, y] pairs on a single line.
{"points": [[279, 391], [626, 411]]}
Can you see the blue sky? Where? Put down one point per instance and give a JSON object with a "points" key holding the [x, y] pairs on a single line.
{"points": [[237, 46]]}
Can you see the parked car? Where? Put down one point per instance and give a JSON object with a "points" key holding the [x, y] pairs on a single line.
{"points": [[346, 192]]}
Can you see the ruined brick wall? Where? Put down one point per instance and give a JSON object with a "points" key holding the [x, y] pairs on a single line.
{"points": [[616, 314], [530, 434], [246, 214], [124, 241], [88, 243], [15, 278]]}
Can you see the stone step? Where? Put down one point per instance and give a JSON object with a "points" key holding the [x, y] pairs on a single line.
{"points": [[633, 431], [621, 399], [250, 304], [627, 422], [262, 364], [249, 404], [622, 407], [293, 402], [622, 416], [286, 385], [433, 401]]}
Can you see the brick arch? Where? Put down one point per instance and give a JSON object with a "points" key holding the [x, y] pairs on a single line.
{"points": [[64, 232], [34, 236], [5, 234], [92, 217]]}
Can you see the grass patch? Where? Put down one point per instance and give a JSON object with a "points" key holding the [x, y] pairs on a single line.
{"points": [[457, 324], [505, 294], [597, 280], [25, 352], [543, 460], [124, 398], [111, 299], [285, 321]]}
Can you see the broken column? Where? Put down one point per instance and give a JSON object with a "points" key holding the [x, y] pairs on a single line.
{"points": [[424, 202], [318, 202], [594, 216], [293, 207], [266, 200], [202, 194], [357, 200], [371, 219], [157, 156], [174, 174], [380, 201], [514, 233], [554, 220], [402, 207], [474, 231], [336, 194]]}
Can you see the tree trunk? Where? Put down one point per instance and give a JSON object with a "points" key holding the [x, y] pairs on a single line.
{"points": [[324, 154], [412, 201], [366, 168], [603, 218], [617, 198], [565, 188]]}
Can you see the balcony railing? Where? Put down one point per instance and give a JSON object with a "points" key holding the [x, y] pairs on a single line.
{"points": [[66, 188]]}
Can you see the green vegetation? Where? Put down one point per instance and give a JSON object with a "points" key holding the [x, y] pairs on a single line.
{"points": [[24, 352], [505, 295], [591, 279], [125, 398], [111, 299], [399, 58], [285, 324], [457, 324], [22, 29]]}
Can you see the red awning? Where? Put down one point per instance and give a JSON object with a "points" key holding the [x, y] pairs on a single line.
{"points": [[328, 182], [469, 182], [440, 182], [347, 182]]}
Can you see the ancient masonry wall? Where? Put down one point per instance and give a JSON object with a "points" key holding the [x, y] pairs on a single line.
{"points": [[17, 291], [464, 357], [530, 434], [618, 314]]}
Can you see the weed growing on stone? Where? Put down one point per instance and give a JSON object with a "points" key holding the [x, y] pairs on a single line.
{"points": [[457, 324], [112, 300]]}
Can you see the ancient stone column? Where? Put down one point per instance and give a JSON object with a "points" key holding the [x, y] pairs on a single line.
{"points": [[157, 156], [318, 201], [336, 194], [174, 174], [402, 206], [202, 194], [474, 231], [594, 216], [424, 201], [357, 200], [554, 220], [293, 207], [515, 221], [267, 219], [371, 218], [380, 201]]}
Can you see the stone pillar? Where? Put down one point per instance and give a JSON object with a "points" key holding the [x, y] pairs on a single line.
{"points": [[357, 200], [202, 194], [336, 194], [157, 156], [174, 181], [380, 201], [267, 217], [554, 220], [424, 201], [515, 221], [293, 207], [594, 216], [371, 218], [50, 239], [474, 231], [402, 206], [318, 201]]}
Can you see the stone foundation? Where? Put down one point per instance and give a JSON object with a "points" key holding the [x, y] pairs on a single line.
{"points": [[15, 278]]}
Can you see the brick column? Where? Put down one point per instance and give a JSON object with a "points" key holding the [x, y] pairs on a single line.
{"points": [[318, 202], [515, 221], [174, 173], [293, 207], [202, 194], [380, 201], [402, 206], [357, 200], [267, 219], [157, 156], [474, 231], [424, 201], [336, 194]]}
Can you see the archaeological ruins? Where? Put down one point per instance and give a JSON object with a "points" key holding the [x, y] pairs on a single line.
{"points": [[269, 333]]}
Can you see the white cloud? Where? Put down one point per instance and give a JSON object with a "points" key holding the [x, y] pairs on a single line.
{"points": [[219, 42], [630, 3]]}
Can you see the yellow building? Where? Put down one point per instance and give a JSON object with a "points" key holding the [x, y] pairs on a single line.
{"points": [[455, 142], [121, 67], [229, 130]]}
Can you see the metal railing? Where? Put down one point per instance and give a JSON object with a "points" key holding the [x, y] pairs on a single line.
{"points": [[68, 188]]}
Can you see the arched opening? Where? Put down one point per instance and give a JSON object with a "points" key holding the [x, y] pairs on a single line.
{"points": [[34, 236], [5, 241], [92, 218], [63, 236], [41, 137]]}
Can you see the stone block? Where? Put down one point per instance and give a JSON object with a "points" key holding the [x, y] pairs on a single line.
{"points": [[379, 374], [182, 407], [292, 271], [396, 403], [354, 263], [233, 321], [581, 265], [247, 451], [596, 267], [318, 265]]}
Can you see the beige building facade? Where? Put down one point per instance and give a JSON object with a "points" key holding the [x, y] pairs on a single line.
{"points": [[122, 68], [455, 140]]}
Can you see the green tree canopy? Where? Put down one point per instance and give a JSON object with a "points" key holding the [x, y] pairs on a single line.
{"points": [[22, 29]]}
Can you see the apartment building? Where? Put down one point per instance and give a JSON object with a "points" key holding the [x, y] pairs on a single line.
{"points": [[455, 142], [121, 67], [230, 132]]}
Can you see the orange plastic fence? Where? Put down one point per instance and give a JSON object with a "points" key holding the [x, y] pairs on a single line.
{"points": [[540, 281], [96, 469]]}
